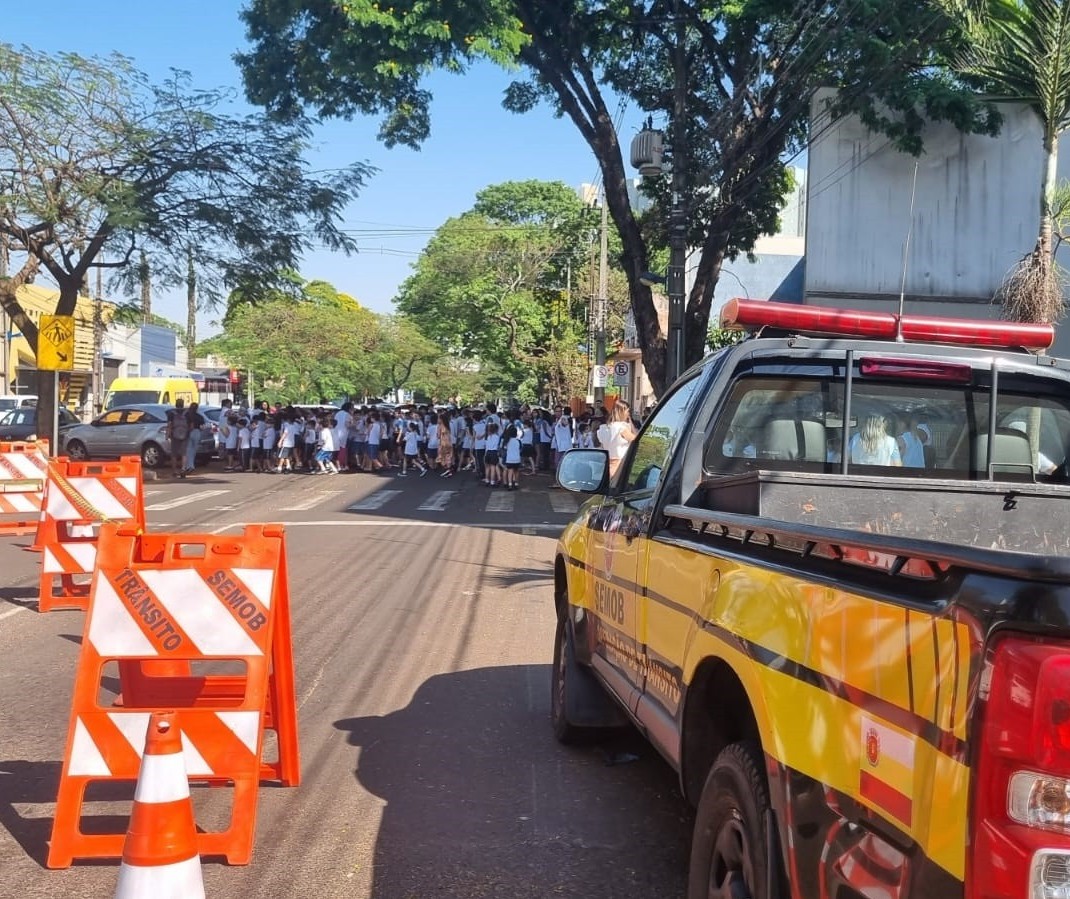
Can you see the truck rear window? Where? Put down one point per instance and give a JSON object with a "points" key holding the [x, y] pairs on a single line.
{"points": [[899, 428]]}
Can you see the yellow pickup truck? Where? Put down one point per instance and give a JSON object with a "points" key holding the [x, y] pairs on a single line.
{"points": [[830, 583]]}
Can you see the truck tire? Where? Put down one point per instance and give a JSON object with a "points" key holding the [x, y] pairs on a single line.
{"points": [[729, 850], [580, 708]]}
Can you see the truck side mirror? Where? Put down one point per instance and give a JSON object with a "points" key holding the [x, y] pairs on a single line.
{"points": [[584, 470]]}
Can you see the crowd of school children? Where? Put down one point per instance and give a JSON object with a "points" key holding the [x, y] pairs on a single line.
{"points": [[498, 447]]}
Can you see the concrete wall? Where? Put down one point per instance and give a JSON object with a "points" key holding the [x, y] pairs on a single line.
{"points": [[976, 214]]}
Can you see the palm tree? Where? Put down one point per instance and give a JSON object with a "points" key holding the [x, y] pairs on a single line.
{"points": [[1019, 50]]}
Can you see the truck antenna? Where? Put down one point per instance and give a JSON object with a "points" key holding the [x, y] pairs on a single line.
{"points": [[906, 250]]}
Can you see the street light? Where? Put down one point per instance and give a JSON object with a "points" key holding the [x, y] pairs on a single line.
{"points": [[644, 158]]}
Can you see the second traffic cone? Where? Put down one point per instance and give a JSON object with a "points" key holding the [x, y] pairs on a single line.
{"points": [[160, 858]]}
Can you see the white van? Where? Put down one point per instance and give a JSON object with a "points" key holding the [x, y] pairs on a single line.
{"points": [[134, 390], [11, 401]]}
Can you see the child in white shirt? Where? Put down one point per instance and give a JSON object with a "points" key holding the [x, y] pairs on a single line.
{"points": [[325, 455], [492, 457], [411, 445], [244, 444], [513, 452]]}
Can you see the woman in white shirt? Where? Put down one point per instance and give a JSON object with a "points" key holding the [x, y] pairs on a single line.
{"points": [[873, 445], [615, 435]]}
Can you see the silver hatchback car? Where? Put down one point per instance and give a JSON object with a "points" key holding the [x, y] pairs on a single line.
{"points": [[131, 430]]}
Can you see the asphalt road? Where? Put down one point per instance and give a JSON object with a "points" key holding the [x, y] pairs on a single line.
{"points": [[423, 628]]}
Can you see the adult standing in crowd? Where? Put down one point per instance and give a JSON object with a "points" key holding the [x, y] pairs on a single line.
{"points": [[193, 441], [178, 436], [615, 435]]}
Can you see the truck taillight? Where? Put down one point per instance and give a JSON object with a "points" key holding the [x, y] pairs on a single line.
{"points": [[1021, 809]]}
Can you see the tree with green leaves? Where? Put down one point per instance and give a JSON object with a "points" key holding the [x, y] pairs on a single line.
{"points": [[97, 164], [494, 285], [403, 354], [751, 67], [302, 352], [1019, 50]]}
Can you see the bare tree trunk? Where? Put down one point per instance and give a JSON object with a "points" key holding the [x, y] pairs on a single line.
{"points": [[146, 288], [191, 307]]}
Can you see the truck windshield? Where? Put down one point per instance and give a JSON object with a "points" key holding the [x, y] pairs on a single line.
{"points": [[900, 428], [131, 397]]}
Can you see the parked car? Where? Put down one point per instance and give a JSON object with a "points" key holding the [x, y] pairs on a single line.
{"points": [[17, 401], [211, 415], [131, 430], [21, 423]]}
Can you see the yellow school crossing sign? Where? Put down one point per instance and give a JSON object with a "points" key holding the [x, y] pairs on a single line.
{"points": [[55, 343]]}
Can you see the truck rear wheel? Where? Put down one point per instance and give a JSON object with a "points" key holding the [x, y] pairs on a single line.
{"points": [[729, 850], [564, 683]]}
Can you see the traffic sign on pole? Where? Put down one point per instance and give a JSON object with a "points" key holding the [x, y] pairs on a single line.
{"points": [[55, 343]]}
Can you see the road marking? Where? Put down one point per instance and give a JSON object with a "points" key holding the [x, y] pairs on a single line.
{"points": [[564, 503], [229, 508], [437, 501], [185, 500], [375, 501], [10, 612], [310, 502], [501, 502], [524, 528]]}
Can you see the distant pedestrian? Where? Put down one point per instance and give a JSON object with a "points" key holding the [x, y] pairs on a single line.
{"points": [[411, 451], [178, 436], [445, 445], [233, 458], [513, 456], [193, 443], [245, 444], [491, 459]]}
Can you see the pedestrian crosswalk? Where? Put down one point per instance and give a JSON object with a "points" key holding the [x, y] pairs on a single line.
{"points": [[373, 501], [392, 501], [437, 501]]}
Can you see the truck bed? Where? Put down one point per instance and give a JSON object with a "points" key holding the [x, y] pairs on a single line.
{"points": [[1019, 517]]}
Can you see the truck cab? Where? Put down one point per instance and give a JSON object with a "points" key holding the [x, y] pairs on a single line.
{"points": [[830, 572]]}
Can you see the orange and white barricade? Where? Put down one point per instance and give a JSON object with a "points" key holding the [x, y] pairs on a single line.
{"points": [[166, 607], [78, 497], [22, 479]]}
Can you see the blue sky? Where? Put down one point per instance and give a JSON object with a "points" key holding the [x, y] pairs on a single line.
{"points": [[474, 142]]}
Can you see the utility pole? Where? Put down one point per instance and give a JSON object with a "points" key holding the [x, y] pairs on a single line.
{"points": [[600, 301], [676, 352]]}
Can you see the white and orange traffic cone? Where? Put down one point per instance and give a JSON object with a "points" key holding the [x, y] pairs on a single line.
{"points": [[160, 859]]}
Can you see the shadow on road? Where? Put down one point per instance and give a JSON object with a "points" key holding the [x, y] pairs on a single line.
{"points": [[20, 596], [482, 802], [25, 783]]}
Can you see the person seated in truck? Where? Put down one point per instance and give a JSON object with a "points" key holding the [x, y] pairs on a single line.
{"points": [[738, 443], [832, 447], [873, 445], [912, 443], [1044, 464]]}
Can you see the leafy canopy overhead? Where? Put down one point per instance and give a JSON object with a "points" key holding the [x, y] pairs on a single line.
{"points": [[750, 70], [495, 285], [97, 164]]}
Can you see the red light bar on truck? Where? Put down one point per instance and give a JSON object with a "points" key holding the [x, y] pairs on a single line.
{"points": [[743, 315]]}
